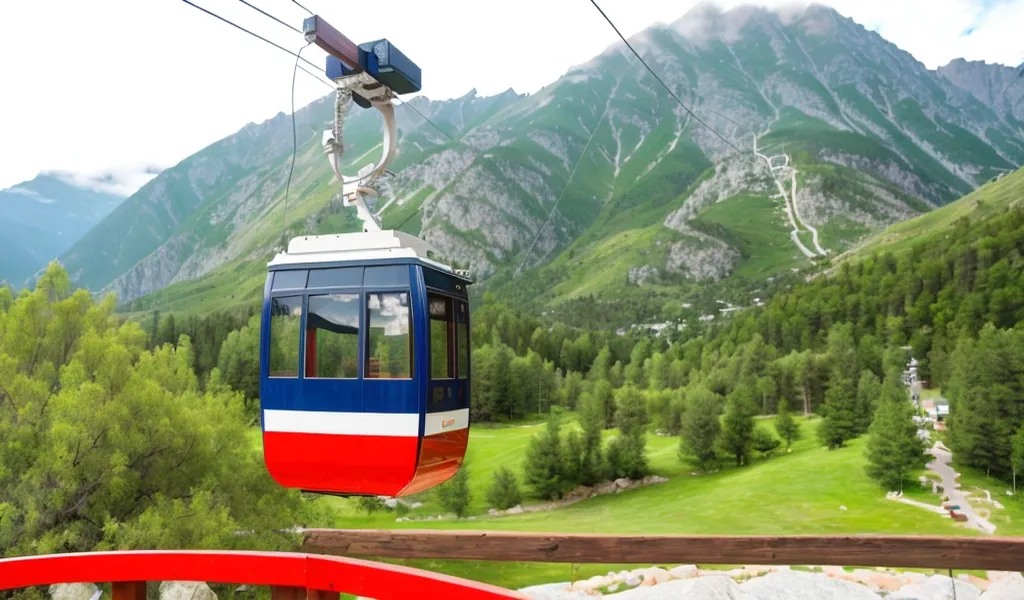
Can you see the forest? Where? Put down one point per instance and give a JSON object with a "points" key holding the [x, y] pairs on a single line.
{"points": [[112, 429]]}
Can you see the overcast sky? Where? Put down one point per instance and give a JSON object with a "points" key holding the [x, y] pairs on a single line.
{"points": [[97, 85]]}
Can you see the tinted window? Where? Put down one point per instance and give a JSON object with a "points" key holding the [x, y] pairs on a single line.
{"points": [[285, 317], [389, 337], [346, 276], [387, 276], [289, 280], [442, 364], [332, 336], [462, 337]]}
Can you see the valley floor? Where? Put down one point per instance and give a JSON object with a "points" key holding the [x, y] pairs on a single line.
{"points": [[809, 490]]}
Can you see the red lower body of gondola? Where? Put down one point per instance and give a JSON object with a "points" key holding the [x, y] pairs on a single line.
{"points": [[377, 465]]}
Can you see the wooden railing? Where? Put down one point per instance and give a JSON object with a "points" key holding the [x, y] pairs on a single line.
{"points": [[988, 553], [291, 576]]}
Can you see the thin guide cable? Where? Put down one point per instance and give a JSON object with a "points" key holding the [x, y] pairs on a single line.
{"points": [[295, 148], [663, 84], [565, 187]]}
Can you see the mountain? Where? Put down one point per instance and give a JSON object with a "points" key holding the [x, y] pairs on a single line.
{"points": [[852, 134], [42, 218]]}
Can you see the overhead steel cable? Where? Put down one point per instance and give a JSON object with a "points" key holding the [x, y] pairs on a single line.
{"points": [[255, 35], [424, 117], [303, 7], [663, 84], [266, 14]]}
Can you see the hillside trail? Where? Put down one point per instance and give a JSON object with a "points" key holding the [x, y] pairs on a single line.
{"points": [[941, 466], [789, 201]]}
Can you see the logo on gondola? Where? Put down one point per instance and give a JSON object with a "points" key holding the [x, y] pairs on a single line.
{"points": [[447, 423]]}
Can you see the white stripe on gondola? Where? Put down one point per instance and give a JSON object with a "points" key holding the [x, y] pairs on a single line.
{"points": [[360, 423], [449, 420], [342, 423]]}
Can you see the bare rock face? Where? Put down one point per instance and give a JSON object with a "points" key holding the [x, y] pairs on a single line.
{"points": [[706, 259], [643, 275]]}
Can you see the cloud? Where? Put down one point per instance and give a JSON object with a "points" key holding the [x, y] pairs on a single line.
{"points": [[123, 180]]}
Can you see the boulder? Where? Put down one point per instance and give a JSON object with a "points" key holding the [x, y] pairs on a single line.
{"points": [[623, 483], [186, 590], [515, 510], [684, 572], [553, 591], [801, 585], [73, 591], [655, 575], [937, 587], [714, 587], [1007, 587]]}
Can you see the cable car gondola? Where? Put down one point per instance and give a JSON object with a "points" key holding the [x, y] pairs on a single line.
{"points": [[364, 348]]}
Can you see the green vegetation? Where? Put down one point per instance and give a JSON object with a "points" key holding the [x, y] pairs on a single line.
{"points": [[110, 445]]}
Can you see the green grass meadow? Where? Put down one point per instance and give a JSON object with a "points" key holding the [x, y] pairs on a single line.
{"points": [[808, 490]]}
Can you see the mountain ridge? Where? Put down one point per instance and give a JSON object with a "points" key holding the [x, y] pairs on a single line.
{"points": [[871, 137]]}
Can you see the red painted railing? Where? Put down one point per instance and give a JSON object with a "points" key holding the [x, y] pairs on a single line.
{"points": [[291, 575]]}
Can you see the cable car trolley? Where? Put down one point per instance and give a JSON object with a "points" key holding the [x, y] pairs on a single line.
{"points": [[364, 347]]}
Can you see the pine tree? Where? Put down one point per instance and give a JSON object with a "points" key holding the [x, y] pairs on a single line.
{"points": [[840, 412], [454, 495], [785, 425], [504, 492], [764, 442], [869, 388], [701, 427], [738, 423], [631, 419], [592, 421], [894, 450], [545, 467]]}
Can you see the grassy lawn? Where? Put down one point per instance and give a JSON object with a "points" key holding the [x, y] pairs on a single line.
{"points": [[759, 226], [800, 492]]}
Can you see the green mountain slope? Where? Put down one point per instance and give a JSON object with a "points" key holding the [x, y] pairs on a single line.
{"points": [[43, 217], [1004, 191], [658, 205]]}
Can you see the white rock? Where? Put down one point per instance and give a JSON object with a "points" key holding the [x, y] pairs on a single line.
{"points": [[622, 483], [655, 575], [186, 590], [800, 585], [714, 587], [683, 572], [492, 511], [553, 591], [938, 587], [73, 591], [1008, 587], [515, 510], [633, 581], [390, 502], [843, 508]]}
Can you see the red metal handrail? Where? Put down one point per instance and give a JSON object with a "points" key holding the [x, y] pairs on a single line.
{"points": [[331, 574]]}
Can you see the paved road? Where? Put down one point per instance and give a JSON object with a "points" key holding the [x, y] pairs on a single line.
{"points": [[941, 465]]}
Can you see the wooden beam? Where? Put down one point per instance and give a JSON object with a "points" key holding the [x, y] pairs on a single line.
{"points": [[990, 553], [332, 41]]}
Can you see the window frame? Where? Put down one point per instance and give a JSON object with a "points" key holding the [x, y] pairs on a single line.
{"points": [[459, 302], [304, 352], [450, 325], [288, 294], [365, 344]]}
